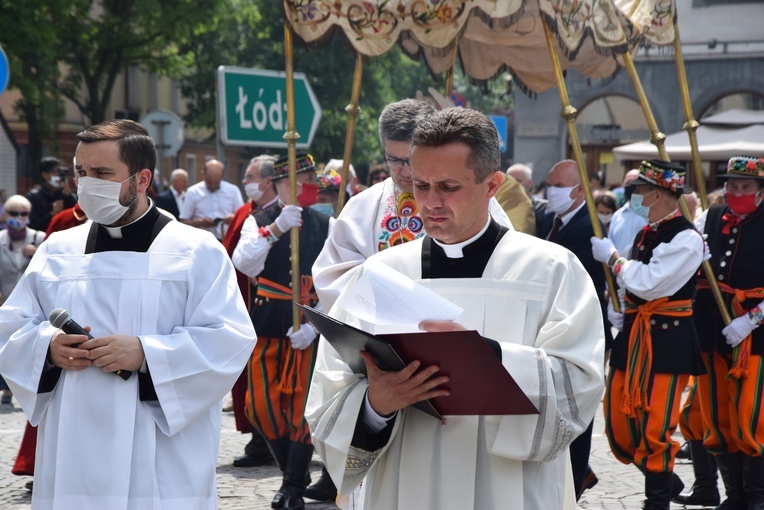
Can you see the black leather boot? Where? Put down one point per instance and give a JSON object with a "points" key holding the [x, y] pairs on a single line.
{"points": [[280, 450], [731, 469], [753, 482], [658, 490], [704, 490], [324, 489], [296, 476]]}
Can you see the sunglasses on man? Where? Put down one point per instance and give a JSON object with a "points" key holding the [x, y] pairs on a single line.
{"points": [[23, 214]]}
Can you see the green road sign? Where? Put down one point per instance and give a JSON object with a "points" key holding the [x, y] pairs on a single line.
{"points": [[252, 108]]}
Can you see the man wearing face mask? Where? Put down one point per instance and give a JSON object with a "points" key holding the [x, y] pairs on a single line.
{"points": [[131, 417], [52, 197], [657, 349], [731, 391], [258, 186], [569, 225], [283, 359]]}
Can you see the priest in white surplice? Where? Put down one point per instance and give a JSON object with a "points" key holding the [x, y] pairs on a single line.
{"points": [[162, 301], [384, 215], [536, 307]]}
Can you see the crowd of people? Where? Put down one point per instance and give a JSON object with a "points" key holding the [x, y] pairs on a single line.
{"points": [[186, 295]]}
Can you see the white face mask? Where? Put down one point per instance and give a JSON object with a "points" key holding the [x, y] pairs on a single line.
{"points": [[55, 181], [559, 199], [605, 217], [99, 199], [253, 191]]}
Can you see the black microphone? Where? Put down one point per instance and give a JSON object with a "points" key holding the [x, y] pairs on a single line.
{"points": [[59, 318]]}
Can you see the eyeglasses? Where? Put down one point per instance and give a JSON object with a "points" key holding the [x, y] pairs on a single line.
{"points": [[396, 163], [23, 214]]}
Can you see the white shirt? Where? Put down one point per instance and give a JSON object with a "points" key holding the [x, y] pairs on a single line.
{"points": [[199, 202], [624, 226]]}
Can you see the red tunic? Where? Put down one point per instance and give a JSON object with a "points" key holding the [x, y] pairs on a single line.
{"points": [[230, 241]]}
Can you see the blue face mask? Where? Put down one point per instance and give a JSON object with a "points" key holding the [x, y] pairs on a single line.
{"points": [[327, 209], [638, 207]]}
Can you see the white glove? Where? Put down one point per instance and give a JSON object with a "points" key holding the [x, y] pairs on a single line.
{"points": [[602, 249], [291, 216], [738, 329], [706, 249], [304, 336], [615, 318]]}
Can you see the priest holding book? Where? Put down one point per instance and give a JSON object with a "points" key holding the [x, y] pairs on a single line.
{"points": [[533, 304]]}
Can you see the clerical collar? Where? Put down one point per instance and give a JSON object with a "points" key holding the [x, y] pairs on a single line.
{"points": [[454, 251], [670, 216], [134, 226]]}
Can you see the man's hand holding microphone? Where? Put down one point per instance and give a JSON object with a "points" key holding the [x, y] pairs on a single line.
{"points": [[73, 348]]}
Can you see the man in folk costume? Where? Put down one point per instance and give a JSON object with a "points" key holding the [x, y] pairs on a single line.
{"points": [[657, 349], [283, 359], [554, 350], [731, 393], [258, 186], [171, 334], [384, 215]]}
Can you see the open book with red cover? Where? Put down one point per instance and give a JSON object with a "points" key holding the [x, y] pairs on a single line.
{"points": [[478, 382]]}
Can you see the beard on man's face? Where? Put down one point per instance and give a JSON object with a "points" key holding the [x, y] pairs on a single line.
{"points": [[129, 198]]}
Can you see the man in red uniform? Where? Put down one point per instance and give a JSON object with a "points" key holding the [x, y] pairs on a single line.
{"points": [[259, 188]]}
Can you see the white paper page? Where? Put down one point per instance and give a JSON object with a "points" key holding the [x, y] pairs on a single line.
{"points": [[383, 296]]}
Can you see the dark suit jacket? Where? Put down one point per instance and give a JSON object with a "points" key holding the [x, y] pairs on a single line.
{"points": [[166, 201], [576, 237]]}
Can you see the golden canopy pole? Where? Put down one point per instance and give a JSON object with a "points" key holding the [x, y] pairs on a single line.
{"points": [[657, 138], [690, 125], [291, 136], [450, 75], [353, 109], [569, 114]]}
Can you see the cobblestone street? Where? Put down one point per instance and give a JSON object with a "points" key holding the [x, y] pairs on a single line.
{"points": [[619, 487]]}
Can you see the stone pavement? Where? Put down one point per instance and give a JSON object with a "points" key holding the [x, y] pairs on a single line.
{"points": [[620, 487]]}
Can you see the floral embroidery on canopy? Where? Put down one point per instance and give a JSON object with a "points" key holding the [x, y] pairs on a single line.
{"points": [[589, 33]]}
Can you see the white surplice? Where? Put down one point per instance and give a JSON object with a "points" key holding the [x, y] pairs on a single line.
{"points": [[356, 236], [536, 299], [99, 446]]}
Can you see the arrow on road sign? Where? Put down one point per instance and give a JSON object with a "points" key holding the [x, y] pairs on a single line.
{"points": [[252, 108]]}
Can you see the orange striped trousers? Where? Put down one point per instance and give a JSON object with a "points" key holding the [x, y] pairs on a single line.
{"points": [[691, 417], [732, 408], [274, 410], [645, 439]]}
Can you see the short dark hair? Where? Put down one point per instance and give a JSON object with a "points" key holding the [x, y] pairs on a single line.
{"points": [[136, 147], [398, 120], [48, 164], [607, 199], [462, 125]]}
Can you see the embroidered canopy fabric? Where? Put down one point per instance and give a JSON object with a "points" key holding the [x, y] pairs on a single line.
{"points": [[493, 35]]}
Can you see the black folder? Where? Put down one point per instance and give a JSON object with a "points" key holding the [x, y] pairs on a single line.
{"points": [[478, 382]]}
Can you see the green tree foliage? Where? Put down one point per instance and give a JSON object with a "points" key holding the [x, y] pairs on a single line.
{"points": [[29, 39], [251, 34]]}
